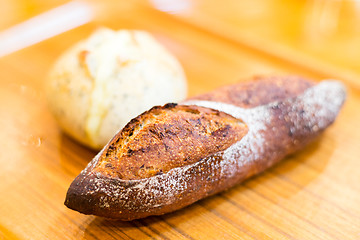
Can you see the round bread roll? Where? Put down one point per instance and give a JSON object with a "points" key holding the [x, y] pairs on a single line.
{"points": [[101, 83]]}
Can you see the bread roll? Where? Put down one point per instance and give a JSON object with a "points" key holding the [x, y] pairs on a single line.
{"points": [[175, 155], [101, 83]]}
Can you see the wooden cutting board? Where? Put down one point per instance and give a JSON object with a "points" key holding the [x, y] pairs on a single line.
{"points": [[314, 194]]}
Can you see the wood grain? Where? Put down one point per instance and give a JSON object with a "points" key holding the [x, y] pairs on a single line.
{"points": [[313, 194]]}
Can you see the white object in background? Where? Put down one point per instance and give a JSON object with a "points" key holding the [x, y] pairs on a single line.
{"points": [[101, 83]]}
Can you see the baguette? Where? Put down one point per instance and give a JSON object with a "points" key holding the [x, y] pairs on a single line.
{"points": [[174, 155]]}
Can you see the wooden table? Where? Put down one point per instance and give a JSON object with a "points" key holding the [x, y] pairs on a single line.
{"points": [[314, 194]]}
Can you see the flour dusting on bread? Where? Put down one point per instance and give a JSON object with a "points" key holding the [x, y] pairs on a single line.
{"points": [[318, 106], [274, 131]]}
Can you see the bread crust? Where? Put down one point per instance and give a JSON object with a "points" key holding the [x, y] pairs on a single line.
{"points": [[166, 137], [257, 91], [275, 129]]}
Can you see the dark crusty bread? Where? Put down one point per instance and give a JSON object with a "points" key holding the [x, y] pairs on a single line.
{"points": [[172, 156], [259, 91]]}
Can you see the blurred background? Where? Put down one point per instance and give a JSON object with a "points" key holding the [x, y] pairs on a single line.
{"points": [[312, 195], [319, 35]]}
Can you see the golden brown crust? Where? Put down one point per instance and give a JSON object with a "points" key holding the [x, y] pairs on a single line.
{"points": [[167, 137], [275, 130]]}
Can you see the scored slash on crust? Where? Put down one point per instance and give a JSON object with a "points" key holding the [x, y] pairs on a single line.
{"points": [[275, 130]]}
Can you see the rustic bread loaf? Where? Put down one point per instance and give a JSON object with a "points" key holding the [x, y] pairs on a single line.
{"points": [[172, 156]]}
